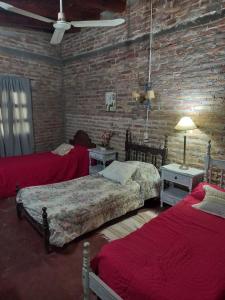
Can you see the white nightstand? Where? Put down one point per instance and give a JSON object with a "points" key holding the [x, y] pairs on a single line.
{"points": [[180, 182], [100, 155]]}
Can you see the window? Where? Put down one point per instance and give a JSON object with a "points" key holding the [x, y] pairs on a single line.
{"points": [[16, 131]]}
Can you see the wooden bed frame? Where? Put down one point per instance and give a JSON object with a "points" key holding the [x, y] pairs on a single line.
{"points": [[211, 164], [157, 156], [83, 139], [91, 282]]}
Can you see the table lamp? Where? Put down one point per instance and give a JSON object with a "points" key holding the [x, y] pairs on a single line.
{"points": [[185, 124]]}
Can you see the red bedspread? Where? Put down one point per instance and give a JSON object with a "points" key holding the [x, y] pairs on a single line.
{"points": [[179, 255], [41, 168]]}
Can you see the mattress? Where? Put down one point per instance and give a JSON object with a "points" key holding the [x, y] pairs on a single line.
{"points": [[41, 168], [78, 206], [178, 255]]}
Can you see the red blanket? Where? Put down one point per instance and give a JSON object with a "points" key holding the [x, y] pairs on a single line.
{"points": [[179, 255], [41, 168]]}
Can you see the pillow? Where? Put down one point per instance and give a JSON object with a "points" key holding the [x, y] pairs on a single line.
{"points": [[63, 149], [213, 194], [213, 202], [119, 172], [144, 171], [199, 192], [147, 176]]}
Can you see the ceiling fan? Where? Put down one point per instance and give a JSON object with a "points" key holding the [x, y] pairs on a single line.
{"points": [[61, 25]]}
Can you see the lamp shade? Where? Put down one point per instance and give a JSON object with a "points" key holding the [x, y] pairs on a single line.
{"points": [[185, 123], [150, 94], [136, 96]]}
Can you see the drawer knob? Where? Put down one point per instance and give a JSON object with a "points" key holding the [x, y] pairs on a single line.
{"points": [[175, 177]]}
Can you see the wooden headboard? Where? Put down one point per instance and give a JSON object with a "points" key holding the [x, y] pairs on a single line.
{"points": [[82, 138], [212, 164], [156, 156]]}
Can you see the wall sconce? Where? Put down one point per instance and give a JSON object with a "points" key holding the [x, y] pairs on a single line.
{"points": [[138, 97], [149, 95]]}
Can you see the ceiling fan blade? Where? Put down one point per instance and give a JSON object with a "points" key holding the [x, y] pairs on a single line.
{"points": [[22, 12], [98, 23], [57, 36]]}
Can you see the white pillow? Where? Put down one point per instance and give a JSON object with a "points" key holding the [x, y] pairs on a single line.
{"points": [[213, 194], [145, 171], [213, 202], [147, 176], [63, 149], [119, 172]]}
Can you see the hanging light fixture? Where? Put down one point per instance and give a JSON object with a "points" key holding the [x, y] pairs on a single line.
{"points": [[149, 92], [148, 87]]}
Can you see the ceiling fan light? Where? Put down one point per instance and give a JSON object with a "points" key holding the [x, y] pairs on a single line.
{"points": [[62, 25]]}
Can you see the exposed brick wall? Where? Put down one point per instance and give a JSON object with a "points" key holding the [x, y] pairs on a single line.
{"points": [[188, 76], [30, 54]]}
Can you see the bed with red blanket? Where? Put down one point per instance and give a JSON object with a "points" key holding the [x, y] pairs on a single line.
{"points": [[44, 168], [178, 255]]}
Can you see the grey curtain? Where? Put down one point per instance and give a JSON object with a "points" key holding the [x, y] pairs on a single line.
{"points": [[16, 129]]}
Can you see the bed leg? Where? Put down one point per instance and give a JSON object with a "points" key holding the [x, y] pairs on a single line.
{"points": [[19, 205], [19, 209], [17, 188], [85, 270], [46, 229]]}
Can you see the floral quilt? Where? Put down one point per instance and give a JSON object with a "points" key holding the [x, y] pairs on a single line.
{"points": [[78, 206], [147, 176]]}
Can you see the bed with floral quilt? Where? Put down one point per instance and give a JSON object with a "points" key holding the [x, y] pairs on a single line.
{"points": [[64, 211]]}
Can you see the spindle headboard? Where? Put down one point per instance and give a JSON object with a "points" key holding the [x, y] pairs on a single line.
{"points": [[134, 151], [216, 165]]}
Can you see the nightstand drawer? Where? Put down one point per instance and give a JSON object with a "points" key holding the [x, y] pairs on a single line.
{"points": [[176, 178]]}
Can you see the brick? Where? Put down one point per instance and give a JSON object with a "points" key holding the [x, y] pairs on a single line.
{"points": [[188, 75], [46, 79]]}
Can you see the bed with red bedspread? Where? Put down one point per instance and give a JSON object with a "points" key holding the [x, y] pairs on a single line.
{"points": [[41, 168], [178, 255]]}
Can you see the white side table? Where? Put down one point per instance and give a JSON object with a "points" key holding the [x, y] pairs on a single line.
{"points": [[101, 155], [180, 182]]}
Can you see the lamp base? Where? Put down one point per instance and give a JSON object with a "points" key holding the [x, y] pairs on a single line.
{"points": [[184, 167]]}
